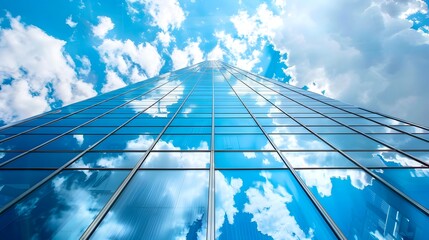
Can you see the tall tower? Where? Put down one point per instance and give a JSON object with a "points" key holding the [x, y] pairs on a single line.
{"points": [[213, 152]]}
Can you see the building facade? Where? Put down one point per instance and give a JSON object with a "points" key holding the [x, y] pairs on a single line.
{"points": [[213, 152]]}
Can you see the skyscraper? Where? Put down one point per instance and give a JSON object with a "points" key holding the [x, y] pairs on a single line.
{"points": [[213, 152]]}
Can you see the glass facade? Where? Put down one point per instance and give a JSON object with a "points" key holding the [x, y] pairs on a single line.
{"points": [[213, 152]]}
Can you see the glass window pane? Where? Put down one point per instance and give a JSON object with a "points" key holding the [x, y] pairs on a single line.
{"points": [[159, 205], [286, 130], [353, 142], [41, 160], [15, 182], [237, 130], [402, 141], [126, 142], [63, 207], [255, 204], [299, 142], [177, 160], [24, 142], [72, 142], [183, 142], [362, 207], [383, 159], [317, 159], [242, 142], [248, 160], [412, 182], [188, 130], [108, 160]]}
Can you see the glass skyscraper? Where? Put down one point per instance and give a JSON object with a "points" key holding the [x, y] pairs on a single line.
{"points": [[213, 152]]}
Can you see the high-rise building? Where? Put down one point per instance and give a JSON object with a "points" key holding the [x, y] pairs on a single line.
{"points": [[213, 152]]}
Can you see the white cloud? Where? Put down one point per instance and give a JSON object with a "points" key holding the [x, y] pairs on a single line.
{"points": [[216, 53], [238, 52], [70, 23], [105, 24], [113, 81], [268, 206], [166, 14], [35, 71], [130, 61], [165, 38], [190, 55], [85, 69], [363, 52]]}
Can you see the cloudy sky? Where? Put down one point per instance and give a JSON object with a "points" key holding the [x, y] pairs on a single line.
{"points": [[370, 53]]}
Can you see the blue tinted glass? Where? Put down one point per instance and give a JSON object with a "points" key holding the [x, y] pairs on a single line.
{"points": [[276, 121], [183, 142], [159, 205], [317, 159], [108, 160], [363, 207], [242, 142], [41, 160], [234, 122], [126, 142], [4, 156], [337, 129], [356, 121], [188, 130], [63, 207], [72, 142], [139, 130], [402, 141], [237, 130], [15, 182], [50, 130], [375, 129], [24, 142], [192, 122], [177, 160], [353, 142], [383, 159], [14, 130], [412, 182], [286, 130], [316, 121], [248, 160], [299, 142], [423, 156], [256, 204], [93, 130], [148, 122]]}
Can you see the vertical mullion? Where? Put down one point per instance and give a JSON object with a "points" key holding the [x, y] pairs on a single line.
{"points": [[211, 208], [316, 203], [94, 224]]}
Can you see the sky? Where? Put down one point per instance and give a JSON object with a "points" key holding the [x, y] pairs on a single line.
{"points": [[369, 53]]}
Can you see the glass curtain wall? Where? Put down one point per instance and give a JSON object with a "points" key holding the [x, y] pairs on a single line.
{"points": [[213, 152]]}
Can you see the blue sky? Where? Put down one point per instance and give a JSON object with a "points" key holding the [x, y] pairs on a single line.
{"points": [[372, 54]]}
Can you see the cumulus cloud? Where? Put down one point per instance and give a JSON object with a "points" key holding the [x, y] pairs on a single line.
{"points": [[166, 14], [165, 38], [189, 55], [127, 62], [363, 52], [105, 24], [216, 53], [35, 71], [70, 23], [268, 206]]}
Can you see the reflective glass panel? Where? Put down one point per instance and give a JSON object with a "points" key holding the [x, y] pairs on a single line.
{"points": [[269, 204], [108, 160], [72, 142], [126, 142], [353, 142], [402, 141], [299, 142], [177, 160], [183, 142], [159, 204], [248, 160], [242, 142], [362, 207], [317, 159], [383, 159], [63, 207], [413, 182], [41, 160], [15, 182]]}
